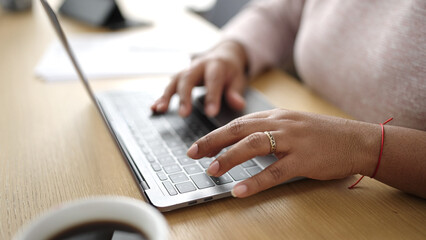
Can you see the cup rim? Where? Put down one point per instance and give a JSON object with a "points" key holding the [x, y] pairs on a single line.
{"points": [[99, 208]]}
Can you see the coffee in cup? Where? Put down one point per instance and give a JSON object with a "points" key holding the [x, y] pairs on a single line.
{"points": [[115, 218]]}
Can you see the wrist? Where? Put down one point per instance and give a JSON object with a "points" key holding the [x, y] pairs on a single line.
{"points": [[369, 152], [236, 51]]}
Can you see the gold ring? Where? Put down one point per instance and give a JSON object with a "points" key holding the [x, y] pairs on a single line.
{"points": [[271, 141]]}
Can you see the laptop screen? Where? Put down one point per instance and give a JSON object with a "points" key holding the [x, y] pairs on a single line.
{"points": [[56, 25]]}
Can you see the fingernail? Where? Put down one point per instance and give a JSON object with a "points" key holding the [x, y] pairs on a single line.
{"points": [[213, 168], [239, 190], [192, 151], [237, 96], [211, 109], [161, 107]]}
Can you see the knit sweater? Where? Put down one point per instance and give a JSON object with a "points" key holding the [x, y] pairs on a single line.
{"points": [[366, 57]]}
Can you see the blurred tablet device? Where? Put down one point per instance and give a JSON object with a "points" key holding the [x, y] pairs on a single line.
{"points": [[99, 13]]}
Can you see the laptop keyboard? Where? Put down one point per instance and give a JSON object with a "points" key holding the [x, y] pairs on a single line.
{"points": [[164, 139]]}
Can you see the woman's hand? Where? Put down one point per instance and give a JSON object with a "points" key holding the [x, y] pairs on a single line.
{"points": [[309, 145], [221, 70]]}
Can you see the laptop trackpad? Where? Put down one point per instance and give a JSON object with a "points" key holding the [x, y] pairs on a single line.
{"points": [[255, 102]]}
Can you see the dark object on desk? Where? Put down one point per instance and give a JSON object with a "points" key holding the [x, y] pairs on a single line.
{"points": [[100, 13], [222, 11], [16, 5]]}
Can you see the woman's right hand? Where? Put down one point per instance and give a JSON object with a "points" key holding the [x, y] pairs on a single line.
{"points": [[221, 70]]}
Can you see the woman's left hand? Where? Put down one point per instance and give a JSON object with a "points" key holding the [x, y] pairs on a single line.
{"points": [[309, 145]]}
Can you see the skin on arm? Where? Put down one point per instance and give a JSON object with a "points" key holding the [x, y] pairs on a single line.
{"points": [[403, 163], [317, 147]]}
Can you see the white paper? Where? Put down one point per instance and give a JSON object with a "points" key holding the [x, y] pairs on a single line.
{"points": [[112, 55]]}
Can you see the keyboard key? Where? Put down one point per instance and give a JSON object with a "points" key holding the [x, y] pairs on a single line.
{"points": [[202, 181], [155, 144], [254, 170], [182, 131], [185, 160], [191, 169], [160, 151], [221, 152], [166, 135], [185, 187], [175, 121], [188, 139], [248, 163], [150, 158], [205, 162], [169, 187], [173, 143], [225, 178], [238, 173], [152, 140], [201, 131], [159, 124], [178, 177], [166, 159], [141, 144], [192, 121], [156, 166], [172, 168], [145, 150], [162, 176], [144, 131], [179, 151]]}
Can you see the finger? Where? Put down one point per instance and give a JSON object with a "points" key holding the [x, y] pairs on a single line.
{"points": [[256, 144], [230, 134], [214, 82], [276, 173], [234, 93], [185, 85], [162, 104], [214, 153], [262, 114]]}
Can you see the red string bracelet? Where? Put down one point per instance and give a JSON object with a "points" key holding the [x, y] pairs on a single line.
{"points": [[380, 154]]}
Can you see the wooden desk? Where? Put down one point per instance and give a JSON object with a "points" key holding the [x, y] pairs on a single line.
{"points": [[55, 148]]}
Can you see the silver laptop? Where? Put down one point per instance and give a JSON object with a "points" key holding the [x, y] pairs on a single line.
{"points": [[155, 145]]}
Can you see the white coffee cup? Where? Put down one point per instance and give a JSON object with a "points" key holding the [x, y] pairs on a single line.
{"points": [[140, 215]]}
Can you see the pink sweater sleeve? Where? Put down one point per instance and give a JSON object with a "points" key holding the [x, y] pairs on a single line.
{"points": [[267, 30]]}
